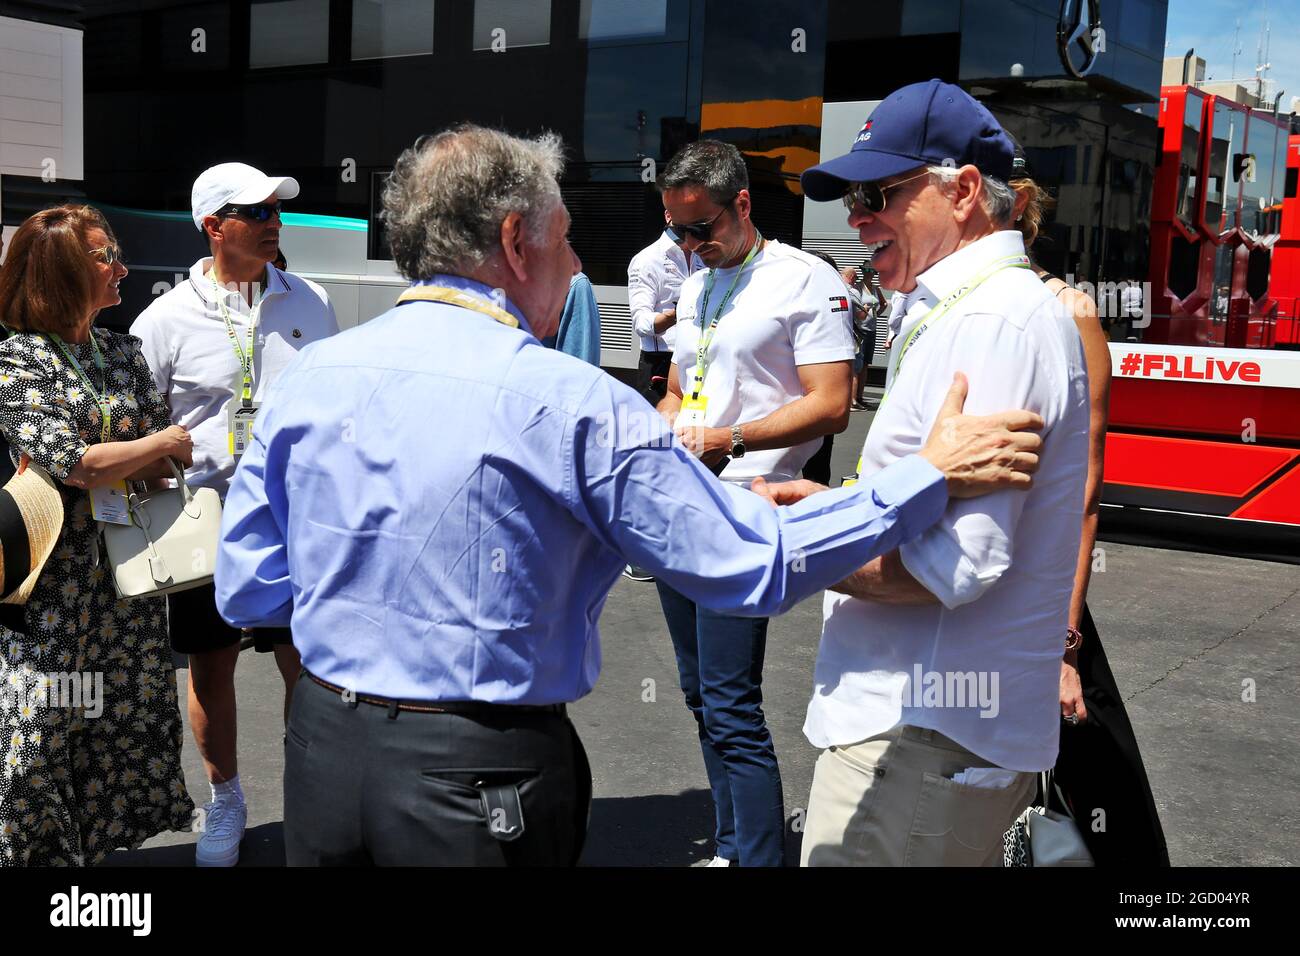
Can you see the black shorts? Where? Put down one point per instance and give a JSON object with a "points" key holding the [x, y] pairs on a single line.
{"points": [[195, 626]]}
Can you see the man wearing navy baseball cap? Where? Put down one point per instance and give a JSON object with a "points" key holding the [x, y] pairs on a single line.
{"points": [[935, 695]]}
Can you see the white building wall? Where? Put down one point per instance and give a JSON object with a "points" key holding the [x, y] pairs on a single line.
{"points": [[41, 121]]}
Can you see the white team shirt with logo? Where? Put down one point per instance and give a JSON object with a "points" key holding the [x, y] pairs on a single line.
{"points": [[789, 309]]}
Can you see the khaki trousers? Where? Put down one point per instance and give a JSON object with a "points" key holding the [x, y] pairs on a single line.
{"points": [[890, 801]]}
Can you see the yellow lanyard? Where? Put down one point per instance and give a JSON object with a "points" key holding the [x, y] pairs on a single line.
{"points": [[243, 354], [938, 312], [459, 298], [706, 335], [105, 412]]}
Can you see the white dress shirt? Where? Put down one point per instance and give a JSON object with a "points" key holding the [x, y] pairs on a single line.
{"points": [[195, 367], [654, 280], [788, 310], [1002, 565]]}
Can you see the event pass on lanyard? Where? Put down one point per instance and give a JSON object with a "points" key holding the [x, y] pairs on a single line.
{"points": [[241, 412], [109, 503], [241, 426], [695, 404], [694, 407]]}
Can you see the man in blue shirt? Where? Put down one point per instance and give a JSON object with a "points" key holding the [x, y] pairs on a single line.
{"points": [[439, 506]]}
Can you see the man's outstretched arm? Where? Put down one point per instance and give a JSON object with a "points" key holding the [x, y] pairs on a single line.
{"points": [[727, 549]]}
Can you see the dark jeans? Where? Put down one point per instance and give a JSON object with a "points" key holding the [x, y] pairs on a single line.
{"points": [[364, 789], [649, 365], [818, 468], [720, 663]]}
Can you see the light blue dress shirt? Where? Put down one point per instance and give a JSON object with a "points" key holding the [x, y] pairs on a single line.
{"points": [[438, 505]]}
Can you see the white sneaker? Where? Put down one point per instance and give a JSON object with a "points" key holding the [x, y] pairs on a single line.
{"points": [[223, 828], [718, 861]]}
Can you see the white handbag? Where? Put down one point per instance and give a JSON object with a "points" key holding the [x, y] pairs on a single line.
{"points": [[170, 544]]}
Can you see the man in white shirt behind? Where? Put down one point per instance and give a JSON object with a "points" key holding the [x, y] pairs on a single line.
{"points": [[936, 681], [215, 345], [654, 282]]}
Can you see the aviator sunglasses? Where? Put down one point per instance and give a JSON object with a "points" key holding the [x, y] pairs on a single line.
{"points": [[109, 255], [699, 231], [258, 211], [871, 196]]}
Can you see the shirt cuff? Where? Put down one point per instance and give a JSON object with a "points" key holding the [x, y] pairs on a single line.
{"points": [[915, 489], [838, 353]]}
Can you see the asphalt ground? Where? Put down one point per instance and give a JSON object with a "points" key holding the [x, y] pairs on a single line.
{"points": [[1201, 646]]}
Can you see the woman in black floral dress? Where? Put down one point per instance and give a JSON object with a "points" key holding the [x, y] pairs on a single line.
{"points": [[79, 779]]}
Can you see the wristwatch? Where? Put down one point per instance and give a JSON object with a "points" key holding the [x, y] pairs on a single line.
{"points": [[1073, 638], [737, 442]]}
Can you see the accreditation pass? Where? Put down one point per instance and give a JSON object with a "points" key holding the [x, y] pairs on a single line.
{"points": [[110, 503], [241, 426]]}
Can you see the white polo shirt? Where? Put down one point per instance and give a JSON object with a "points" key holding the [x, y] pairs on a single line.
{"points": [[1002, 565], [654, 281], [789, 309], [196, 369]]}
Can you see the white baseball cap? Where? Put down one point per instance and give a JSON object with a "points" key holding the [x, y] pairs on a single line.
{"points": [[240, 183]]}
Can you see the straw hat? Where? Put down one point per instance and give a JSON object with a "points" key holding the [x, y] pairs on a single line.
{"points": [[31, 518]]}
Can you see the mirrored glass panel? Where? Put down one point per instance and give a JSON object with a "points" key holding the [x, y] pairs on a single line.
{"points": [[1220, 185], [1255, 170], [505, 24], [383, 28], [1188, 159], [927, 16], [289, 33], [622, 19]]}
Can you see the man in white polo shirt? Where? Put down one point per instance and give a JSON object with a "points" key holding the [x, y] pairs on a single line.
{"points": [[936, 686], [216, 344], [761, 373]]}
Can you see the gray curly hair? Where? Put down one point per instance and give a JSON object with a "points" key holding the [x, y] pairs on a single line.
{"points": [[447, 196]]}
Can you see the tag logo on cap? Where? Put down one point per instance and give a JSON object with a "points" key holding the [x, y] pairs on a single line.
{"points": [[864, 134]]}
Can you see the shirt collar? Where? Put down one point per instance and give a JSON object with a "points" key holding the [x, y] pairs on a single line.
{"points": [[273, 282], [672, 251], [946, 276], [479, 290]]}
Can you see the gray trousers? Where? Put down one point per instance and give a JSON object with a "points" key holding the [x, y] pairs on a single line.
{"points": [[362, 788]]}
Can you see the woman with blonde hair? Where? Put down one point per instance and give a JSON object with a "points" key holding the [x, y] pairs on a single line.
{"points": [[1099, 765], [80, 777]]}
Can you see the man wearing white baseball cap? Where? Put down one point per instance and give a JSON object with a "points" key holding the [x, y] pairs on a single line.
{"points": [[216, 344]]}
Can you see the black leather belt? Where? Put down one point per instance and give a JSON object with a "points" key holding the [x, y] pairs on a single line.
{"points": [[468, 708]]}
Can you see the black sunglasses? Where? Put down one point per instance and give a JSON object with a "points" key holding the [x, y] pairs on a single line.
{"points": [[699, 231], [872, 195], [258, 211]]}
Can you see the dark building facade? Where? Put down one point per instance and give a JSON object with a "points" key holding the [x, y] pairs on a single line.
{"points": [[330, 91], [1091, 140]]}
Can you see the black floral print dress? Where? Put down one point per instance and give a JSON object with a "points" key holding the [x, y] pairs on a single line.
{"points": [[81, 778]]}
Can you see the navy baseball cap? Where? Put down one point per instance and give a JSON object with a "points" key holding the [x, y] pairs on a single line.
{"points": [[924, 124]]}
